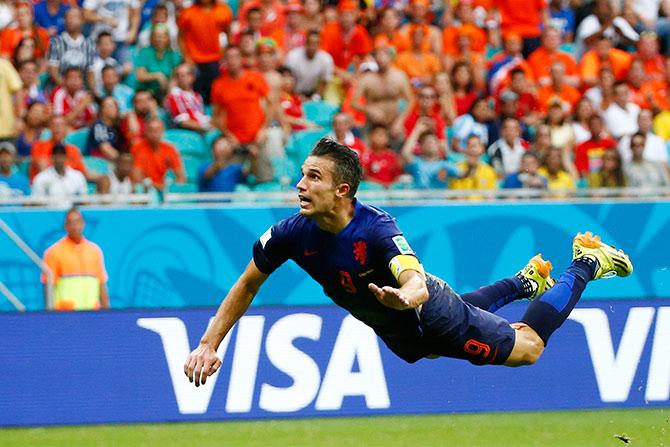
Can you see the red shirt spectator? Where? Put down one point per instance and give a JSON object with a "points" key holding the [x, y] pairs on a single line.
{"points": [[342, 124], [427, 106], [72, 101], [588, 155], [380, 163]]}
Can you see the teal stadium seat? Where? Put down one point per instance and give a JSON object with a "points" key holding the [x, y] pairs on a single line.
{"points": [[182, 188], [191, 167], [210, 137], [301, 143], [268, 187], [78, 138], [370, 186], [187, 142], [320, 112], [97, 164]]}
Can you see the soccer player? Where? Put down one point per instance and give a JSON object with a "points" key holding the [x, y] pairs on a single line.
{"points": [[365, 265]]}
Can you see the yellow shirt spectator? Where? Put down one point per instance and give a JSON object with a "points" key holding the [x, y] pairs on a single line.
{"points": [[562, 180], [483, 177]]}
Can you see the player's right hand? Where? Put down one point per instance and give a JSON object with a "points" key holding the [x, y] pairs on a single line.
{"points": [[201, 363]]}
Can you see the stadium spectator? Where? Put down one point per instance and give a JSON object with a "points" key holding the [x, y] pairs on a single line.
{"points": [[446, 103], [71, 49], [419, 64], [266, 53], [50, 15], [463, 86], [502, 64], [378, 94], [589, 154], [105, 49], [118, 182], [528, 175], [312, 67], [476, 122], [420, 17], [200, 28], [120, 18], [380, 163], [424, 158], [655, 149], [225, 171], [23, 28], [558, 178], [12, 184], [105, 139], [346, 41], [641, 172], [558, 90], [154, 157], [59, 183], [31, 88], [186, 106], [562, 19], [527, 105], [603, 55], [652, 61], [604, 23], [156, 62], [6, 13], [239, 98], [34, 122], [42, 149], [426, 106], [342, 125], [163, 14], [561, 130], [10, 86], [72, 101], [506, 153], [543, 59], [291, 104], [610, 173], [110, 86], [133, 124], [25, 51], [644, 16], [621, 115], [291, 34], [477, 174], [542, 141], [464, 26], [524, 19], [580, 122], [602, 93], [312, 19], [388, 32], [78, 268]]}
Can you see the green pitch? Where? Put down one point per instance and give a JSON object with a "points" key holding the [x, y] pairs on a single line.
{"points": [[648, 427]]}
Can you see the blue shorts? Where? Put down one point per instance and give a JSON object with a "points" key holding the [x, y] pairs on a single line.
{"points": [[453, 328]]}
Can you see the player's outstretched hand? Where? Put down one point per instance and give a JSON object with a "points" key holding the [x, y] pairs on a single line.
{"points": [[201, 363], [390, 296]]}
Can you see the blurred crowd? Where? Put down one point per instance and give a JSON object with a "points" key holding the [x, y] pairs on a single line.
{"points": [[118, 96]]}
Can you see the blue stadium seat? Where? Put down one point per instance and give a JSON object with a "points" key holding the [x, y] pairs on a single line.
{"points": [[23, 167], [320, 112], [370, 186], [301, 143], [97, 164], [183, 187], [78, 138], [187, 142], [210, 137], [191, 167]]}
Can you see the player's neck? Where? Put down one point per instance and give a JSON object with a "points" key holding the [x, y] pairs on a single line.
{"points": [[338, 219]]}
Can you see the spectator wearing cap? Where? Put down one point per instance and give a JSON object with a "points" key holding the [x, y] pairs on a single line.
{"points": [[602, 55], [621, 115], [59, 182], [645, 16], [522, 18], [156, 62], [12, 184], [34, 122], [291, 34], [163, 13], [346, 41], [312, 67], [184, 104], [71, 49], [604, 23], [155, 157], [200, 28], [542, 59]]}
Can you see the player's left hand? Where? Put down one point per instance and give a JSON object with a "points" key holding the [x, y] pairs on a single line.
{"points": [[390, 296]]}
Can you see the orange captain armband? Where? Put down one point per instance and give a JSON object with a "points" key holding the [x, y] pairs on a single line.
{"points": [[400, 263]]}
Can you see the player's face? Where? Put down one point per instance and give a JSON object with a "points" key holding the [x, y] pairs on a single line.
{"points": [[317, 191]]}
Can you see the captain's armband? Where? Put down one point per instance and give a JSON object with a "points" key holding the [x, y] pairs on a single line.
{"points": [[400, 263]]}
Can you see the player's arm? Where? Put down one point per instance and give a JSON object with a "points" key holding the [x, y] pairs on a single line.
{"points": [[412, 280], [203, 361]]}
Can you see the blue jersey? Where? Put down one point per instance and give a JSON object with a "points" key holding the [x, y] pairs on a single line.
{"points": [[345, 263]]}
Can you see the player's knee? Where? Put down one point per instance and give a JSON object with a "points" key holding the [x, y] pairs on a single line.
{"points": [[533, 351], [528, 347]]}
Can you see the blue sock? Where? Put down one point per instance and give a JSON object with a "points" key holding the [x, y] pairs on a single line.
{"points": [[548, 311], [495, 296]]}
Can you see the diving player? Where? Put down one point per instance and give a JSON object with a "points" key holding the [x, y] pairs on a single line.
{"points": [[365, 265]]}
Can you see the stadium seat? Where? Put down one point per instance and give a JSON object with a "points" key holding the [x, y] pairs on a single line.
{"points": [[183, 187], [301, 144], [268, 187], [210, 137], [97, 164], [23, 166], [284, 170], [191, 167], [320, 112], [78, 138], [187, 142], [45, 135], [370, 186], [131, 80], [241, 187]]}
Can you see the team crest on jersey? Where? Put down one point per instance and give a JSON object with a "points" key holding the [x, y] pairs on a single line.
{"points": [[402, 245], [361, 251]]}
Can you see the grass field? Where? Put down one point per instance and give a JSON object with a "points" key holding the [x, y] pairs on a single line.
{"points": [[648, 427]]}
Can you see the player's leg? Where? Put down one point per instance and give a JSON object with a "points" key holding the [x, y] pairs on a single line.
{"points": [[529, 282], [592, 259]]}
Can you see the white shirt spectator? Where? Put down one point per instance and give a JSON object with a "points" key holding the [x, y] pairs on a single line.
{"points": [[506, 159], [309, 72], [115, 9], [60, 188], [119, 187], [655, 149], [621, 121]]}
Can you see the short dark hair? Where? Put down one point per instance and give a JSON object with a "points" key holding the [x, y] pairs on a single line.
{"points": [[103, 34], [347, 165], [59, 148]]}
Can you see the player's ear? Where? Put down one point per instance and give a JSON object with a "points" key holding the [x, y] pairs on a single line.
{"points": [[342, 190]]}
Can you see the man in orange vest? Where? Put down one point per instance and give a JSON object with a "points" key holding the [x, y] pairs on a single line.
{"points": [[79, 275]]}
